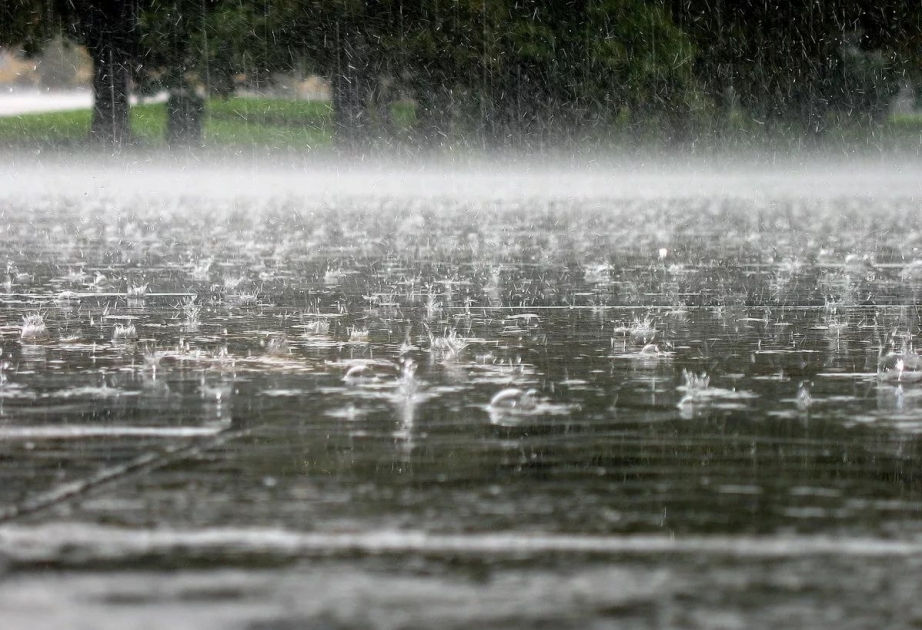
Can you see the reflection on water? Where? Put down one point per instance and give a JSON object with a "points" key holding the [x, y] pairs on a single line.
{"points": [[702, 366]]}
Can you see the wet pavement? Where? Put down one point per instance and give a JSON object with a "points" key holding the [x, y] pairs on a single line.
{"points": [[333, 404]]}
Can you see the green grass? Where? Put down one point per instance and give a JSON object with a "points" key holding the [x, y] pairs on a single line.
{"points": [[148, 124], [56, 127], [290, 125], [230, 123], [68, 128], [271, 123], [270, 112]]}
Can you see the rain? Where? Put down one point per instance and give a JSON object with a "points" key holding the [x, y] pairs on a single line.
{"points": [[403, 315]]}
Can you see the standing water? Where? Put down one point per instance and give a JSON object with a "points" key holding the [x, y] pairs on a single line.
{"points": [[276, 398]]}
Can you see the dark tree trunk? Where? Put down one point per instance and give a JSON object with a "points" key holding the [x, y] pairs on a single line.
{"points": [[111, 72], [185, 117], [109, 30]]}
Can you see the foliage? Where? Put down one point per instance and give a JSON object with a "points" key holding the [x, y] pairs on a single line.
{"points": [[27, 24], [803, 62], [516, 71]]}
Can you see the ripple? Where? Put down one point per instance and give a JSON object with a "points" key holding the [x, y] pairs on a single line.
{"points": [[71, 432], [45, 543]]}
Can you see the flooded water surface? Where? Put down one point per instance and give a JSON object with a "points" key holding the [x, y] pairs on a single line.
{"points": [[488, 400]]}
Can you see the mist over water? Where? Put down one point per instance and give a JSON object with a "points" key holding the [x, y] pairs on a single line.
{"points": [[518, 176], [688, 388]]}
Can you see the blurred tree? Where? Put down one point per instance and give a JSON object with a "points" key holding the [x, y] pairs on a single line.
{"points": [[803, 63], [173, 38], [108, 30], [155, 44], [217, 45], [531, 72], [504, 71]]}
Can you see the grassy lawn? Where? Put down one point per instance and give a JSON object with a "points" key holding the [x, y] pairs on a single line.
{"points": [[233, 122], [55, 127], [274, 123], [289, 125]]}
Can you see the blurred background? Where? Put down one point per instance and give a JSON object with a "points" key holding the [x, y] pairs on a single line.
{"points": [[679, 74]]}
